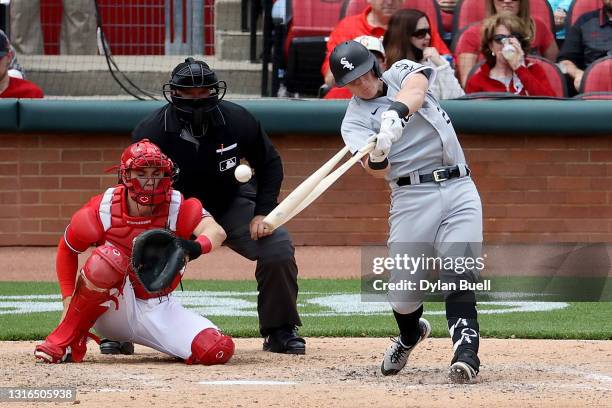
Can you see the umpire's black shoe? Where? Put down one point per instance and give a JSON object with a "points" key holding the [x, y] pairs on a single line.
{"points": [[116, 347], [285, 340]]}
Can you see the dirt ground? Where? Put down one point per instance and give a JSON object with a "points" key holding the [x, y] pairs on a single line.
{"points": [[335, 372]]}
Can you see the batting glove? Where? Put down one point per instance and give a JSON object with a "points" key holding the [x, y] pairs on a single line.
{"points": [[382, 148], [391, 125]]}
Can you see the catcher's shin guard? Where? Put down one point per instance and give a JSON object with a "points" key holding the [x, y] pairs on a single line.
{"points": [[105, 270], [210, 347]]}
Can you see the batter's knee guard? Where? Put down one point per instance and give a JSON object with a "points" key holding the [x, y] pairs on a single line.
{"points": [[210, 347], [104, 270]]}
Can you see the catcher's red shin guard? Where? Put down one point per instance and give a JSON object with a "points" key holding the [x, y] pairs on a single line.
{"points": [[105, 269], [210, 347]]}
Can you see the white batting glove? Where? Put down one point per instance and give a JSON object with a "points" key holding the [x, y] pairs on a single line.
{"points": [[382, 148], [391, 125]]}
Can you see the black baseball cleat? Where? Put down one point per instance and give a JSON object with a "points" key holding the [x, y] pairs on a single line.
{"points": [[116, 347], [284, 340], [464, 367]]}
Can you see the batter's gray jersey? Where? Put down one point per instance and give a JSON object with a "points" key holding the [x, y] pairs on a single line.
{"points": [[428, 141]]}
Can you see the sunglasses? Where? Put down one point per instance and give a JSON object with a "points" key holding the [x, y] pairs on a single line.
{"points": [[499, 38], [422, 32]]}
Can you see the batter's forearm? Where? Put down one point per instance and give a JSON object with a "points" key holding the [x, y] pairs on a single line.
{"points": [[413, 92]]}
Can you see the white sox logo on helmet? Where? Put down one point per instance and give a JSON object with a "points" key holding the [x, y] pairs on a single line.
{"points": [[346, 64]]}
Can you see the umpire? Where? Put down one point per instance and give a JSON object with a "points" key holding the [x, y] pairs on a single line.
{"points": [[207, 137]]}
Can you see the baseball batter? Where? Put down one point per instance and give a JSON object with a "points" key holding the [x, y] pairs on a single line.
{"points": [[435, 207], [122, 308]]}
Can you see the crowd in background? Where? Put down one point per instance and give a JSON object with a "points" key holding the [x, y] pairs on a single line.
{"points": [[510, 51]]}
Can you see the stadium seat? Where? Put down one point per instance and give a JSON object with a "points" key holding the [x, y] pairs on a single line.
{"points": [[304, 61], [312, 21], [471, 11], [429, 7], [578, 8], [598, 76], [553, 74], [314, 17]]}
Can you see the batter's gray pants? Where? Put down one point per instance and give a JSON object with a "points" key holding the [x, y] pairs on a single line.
{"points": [[432, 220]]}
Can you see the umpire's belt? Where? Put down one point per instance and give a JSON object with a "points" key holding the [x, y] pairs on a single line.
{"points": [[437, 176]]}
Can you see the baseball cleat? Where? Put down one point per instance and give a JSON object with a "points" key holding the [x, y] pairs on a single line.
{"points": [[464, 367], [397, 353], [51, 353], [116, 347]]}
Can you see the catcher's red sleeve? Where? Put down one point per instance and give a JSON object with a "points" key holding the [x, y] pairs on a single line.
{"points": [[66, 264], [190, 214], [83, 231]]}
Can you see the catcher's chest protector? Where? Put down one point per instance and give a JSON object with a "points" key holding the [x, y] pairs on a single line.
{"points": [[121, 229]]}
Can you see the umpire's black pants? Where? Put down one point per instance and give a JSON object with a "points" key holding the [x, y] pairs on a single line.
{"points": [[276, 270]]}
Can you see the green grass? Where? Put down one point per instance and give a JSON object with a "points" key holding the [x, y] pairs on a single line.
{"points": [[578, 320]]}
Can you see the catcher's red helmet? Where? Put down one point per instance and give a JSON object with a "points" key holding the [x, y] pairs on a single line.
{"points": [[141, 155]]}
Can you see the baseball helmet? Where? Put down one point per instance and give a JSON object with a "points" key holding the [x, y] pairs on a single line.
{"points": [[141, 155], [194, 74], [350, 60]]}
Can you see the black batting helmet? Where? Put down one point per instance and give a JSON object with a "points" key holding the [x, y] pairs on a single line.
{"points": [[350, 60], [194, 74]]}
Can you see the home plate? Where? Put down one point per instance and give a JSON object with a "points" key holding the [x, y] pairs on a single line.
{"points": [[246, 382]]}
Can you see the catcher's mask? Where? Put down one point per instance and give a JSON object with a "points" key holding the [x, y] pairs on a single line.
{"points": [[141, 155], [193, 74]]}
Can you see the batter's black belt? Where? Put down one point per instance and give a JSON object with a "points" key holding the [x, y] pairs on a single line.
{"points": [[437, 176]]}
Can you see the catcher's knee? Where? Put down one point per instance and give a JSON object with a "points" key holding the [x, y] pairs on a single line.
{"points": [[210, 347], [106, 268]]}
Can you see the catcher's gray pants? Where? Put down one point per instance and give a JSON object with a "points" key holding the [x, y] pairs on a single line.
{"points": [[432, 220], [276, 271]]}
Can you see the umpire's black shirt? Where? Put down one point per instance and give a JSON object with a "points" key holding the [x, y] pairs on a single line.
{"points": [[207, 163]]}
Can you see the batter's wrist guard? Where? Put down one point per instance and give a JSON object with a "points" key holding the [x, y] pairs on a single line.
{"points": [[402, 110], [378, 165]]}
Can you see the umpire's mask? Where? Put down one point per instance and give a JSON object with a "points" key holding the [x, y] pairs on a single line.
{"points": [[194, 90]]}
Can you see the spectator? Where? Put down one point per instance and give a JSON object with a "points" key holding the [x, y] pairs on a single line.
{"points": [[14, 70], [375, 46], [447, 12], [373, 22], [505, 41], [11, 87], [468, 47], [77, 35], [588, 39], [408, 37], [560, 9]]}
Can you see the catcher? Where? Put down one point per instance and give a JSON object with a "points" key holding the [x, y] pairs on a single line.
{"points": [[141, 229]]}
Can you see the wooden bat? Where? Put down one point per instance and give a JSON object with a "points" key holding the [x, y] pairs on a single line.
{"points": [[314, 192], [278, 216]]}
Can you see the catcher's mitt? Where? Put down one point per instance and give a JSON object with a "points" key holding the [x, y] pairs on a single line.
{"points": [[157, 257]]}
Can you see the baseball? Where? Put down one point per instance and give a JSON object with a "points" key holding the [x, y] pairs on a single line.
{"points": [[243, 173]]}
